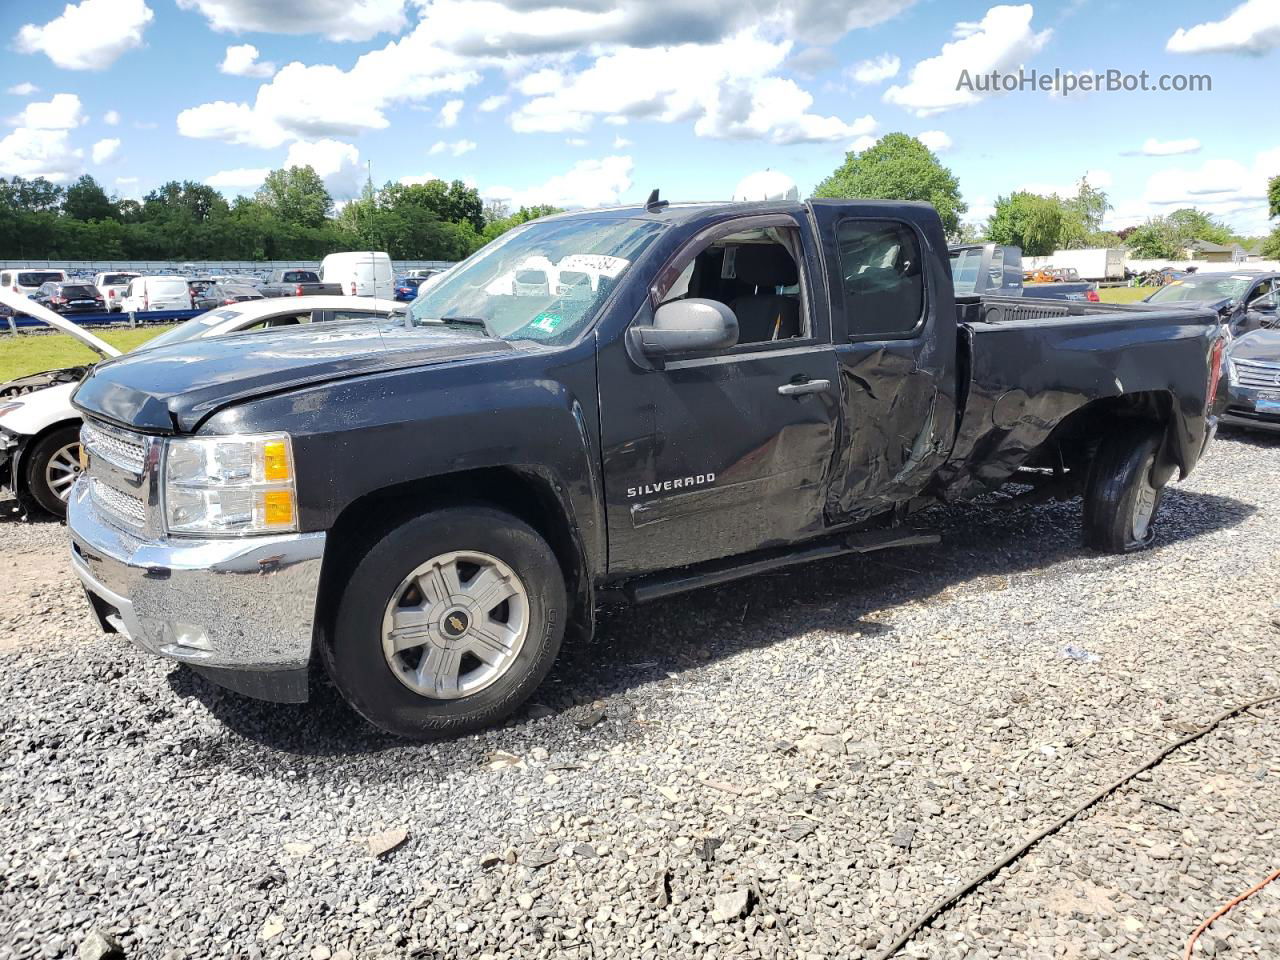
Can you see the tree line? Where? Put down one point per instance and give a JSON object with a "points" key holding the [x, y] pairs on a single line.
{"points": [[290, 217], [293, 217]]}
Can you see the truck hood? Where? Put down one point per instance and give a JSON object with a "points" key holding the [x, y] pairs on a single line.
{"points": [[1259, 345], [174, 388], [21, 304]]}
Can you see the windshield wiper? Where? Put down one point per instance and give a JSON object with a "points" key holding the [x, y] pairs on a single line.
{"points": [[479, 322]]}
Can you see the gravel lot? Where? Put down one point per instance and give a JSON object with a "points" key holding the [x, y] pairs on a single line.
{"points": [[791, 766]]}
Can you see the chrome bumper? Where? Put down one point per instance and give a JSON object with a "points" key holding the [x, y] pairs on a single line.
{"points": [[230, 608]]}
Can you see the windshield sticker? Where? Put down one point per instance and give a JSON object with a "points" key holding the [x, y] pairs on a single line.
{"points": [[547, 322]]}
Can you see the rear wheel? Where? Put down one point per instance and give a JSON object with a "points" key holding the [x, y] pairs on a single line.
{"points": [[1124, 490], [448, 623], [52, 466]]}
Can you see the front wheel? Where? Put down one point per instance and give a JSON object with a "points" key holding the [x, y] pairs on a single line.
{"points": [[448, 623], [52, 466], [1124, 490]]}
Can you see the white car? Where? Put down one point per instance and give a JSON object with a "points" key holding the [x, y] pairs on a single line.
{"points": [[40, 429], [26, 282], [112, 287], [156, 293]]}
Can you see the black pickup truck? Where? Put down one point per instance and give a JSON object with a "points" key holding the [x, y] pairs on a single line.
{"points": [[691, 393], [298, 283]]}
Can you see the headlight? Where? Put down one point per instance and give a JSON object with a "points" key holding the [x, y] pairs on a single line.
{"points": [[230, 486]]}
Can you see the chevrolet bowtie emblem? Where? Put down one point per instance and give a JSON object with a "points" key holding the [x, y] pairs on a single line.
{"points": [[456, 624]]}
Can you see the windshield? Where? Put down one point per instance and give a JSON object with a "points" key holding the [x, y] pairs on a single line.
{"points": [[965, 265], [195, 327], [1202, 288], [543, 281]]}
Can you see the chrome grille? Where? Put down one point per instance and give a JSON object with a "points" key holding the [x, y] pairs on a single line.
{"points": [[1257, 374], [119, 449], [128, 508]]}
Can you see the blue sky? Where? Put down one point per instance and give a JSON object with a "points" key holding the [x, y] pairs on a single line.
{"points": [[584, 102]]}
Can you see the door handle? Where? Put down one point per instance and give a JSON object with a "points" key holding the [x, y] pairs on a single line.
{"points": [[803, 387]]}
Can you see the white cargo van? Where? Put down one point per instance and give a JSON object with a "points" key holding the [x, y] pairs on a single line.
{"points": [[156, 293], [362, 274]]}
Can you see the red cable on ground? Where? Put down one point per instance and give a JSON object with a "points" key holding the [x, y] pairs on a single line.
{"points": [[1224, 910]]}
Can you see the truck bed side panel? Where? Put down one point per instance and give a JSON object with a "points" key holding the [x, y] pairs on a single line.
{"points": [[1027, 376]]}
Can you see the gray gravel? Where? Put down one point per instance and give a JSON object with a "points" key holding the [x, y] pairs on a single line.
{"points": [[791, 766]]}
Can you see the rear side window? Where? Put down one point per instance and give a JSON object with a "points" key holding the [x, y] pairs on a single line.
{"points": [[882, 278]]}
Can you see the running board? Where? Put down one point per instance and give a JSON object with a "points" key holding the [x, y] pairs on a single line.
{"points": [[715, 572]]}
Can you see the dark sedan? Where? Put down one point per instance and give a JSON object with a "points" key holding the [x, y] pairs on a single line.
{"points": [[1236, 295], [407, 288], [1253, 374], [222, 294], [69, 297]]}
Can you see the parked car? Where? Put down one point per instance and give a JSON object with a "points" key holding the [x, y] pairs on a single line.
{"points": [[989, 269], [298, 283], [360, 274], [68, 296], [407, 288], [156, 293], [1233, 295], [223, 294], [1253, 370], [40, 430], [244, 279], [423, 273], [426, 507], [112, 287], [26, 282]]}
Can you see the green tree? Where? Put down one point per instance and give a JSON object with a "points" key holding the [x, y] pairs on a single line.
{"points": [[1273, 197], [86, 200], [898, 167], [1029, 221], [1166, 238], [30, 196], [297, 195]]}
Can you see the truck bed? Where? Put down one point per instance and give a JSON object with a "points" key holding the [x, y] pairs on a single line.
{"points": [[1025, 366]]}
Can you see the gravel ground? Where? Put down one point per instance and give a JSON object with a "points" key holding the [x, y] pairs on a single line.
{"points": [[790, 766]]}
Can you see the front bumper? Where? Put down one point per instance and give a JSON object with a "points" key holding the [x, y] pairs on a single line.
{"points": [[240, 611]]}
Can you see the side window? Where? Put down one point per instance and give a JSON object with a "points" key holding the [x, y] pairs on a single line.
{"points": [[882, 277], [997, 268], [755, 273], [1261, 290]]}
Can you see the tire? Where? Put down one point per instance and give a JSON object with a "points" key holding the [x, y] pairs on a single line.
{"points": [[1124, 490], [394, 597], [52, 466]]}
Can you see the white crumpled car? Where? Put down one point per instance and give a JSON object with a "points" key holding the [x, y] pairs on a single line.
{"points": [[40, 429]]}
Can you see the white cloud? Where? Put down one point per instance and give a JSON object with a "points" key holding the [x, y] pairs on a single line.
{"points": [[449, 113], [336, 19], [111, 118], [590, 183], [1001, 41], [457, 148], [242, 61], [724, 88], [105, 150], [576, 141], [877, 70], [1253, 27], [935, 140], [90, 35], [23, 89], [1099, 179], [39, 153], [418, 181], [239, 178], [337, 163], [1222, 186], [1152, 147], [61, 112], [496, 102], [621, 143], [865, 142]]}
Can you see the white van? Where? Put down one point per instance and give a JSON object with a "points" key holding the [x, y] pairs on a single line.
{"points": [[156, 293], [29, 281], [363, 274]]}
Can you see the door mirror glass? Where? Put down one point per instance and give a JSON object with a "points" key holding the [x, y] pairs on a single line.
{"points": [[689, 326], [1265, 304]]}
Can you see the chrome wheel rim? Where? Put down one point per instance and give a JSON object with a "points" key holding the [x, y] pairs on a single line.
{"points": [[62, 470], [455, 625], [1144, 506]]}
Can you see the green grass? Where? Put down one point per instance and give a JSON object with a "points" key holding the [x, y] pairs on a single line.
{"points": [[32, 353], [1124, 294]]}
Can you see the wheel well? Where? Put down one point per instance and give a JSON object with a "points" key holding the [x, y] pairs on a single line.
{"points": [[1074, 441], [525, 494], [19, 466]]}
